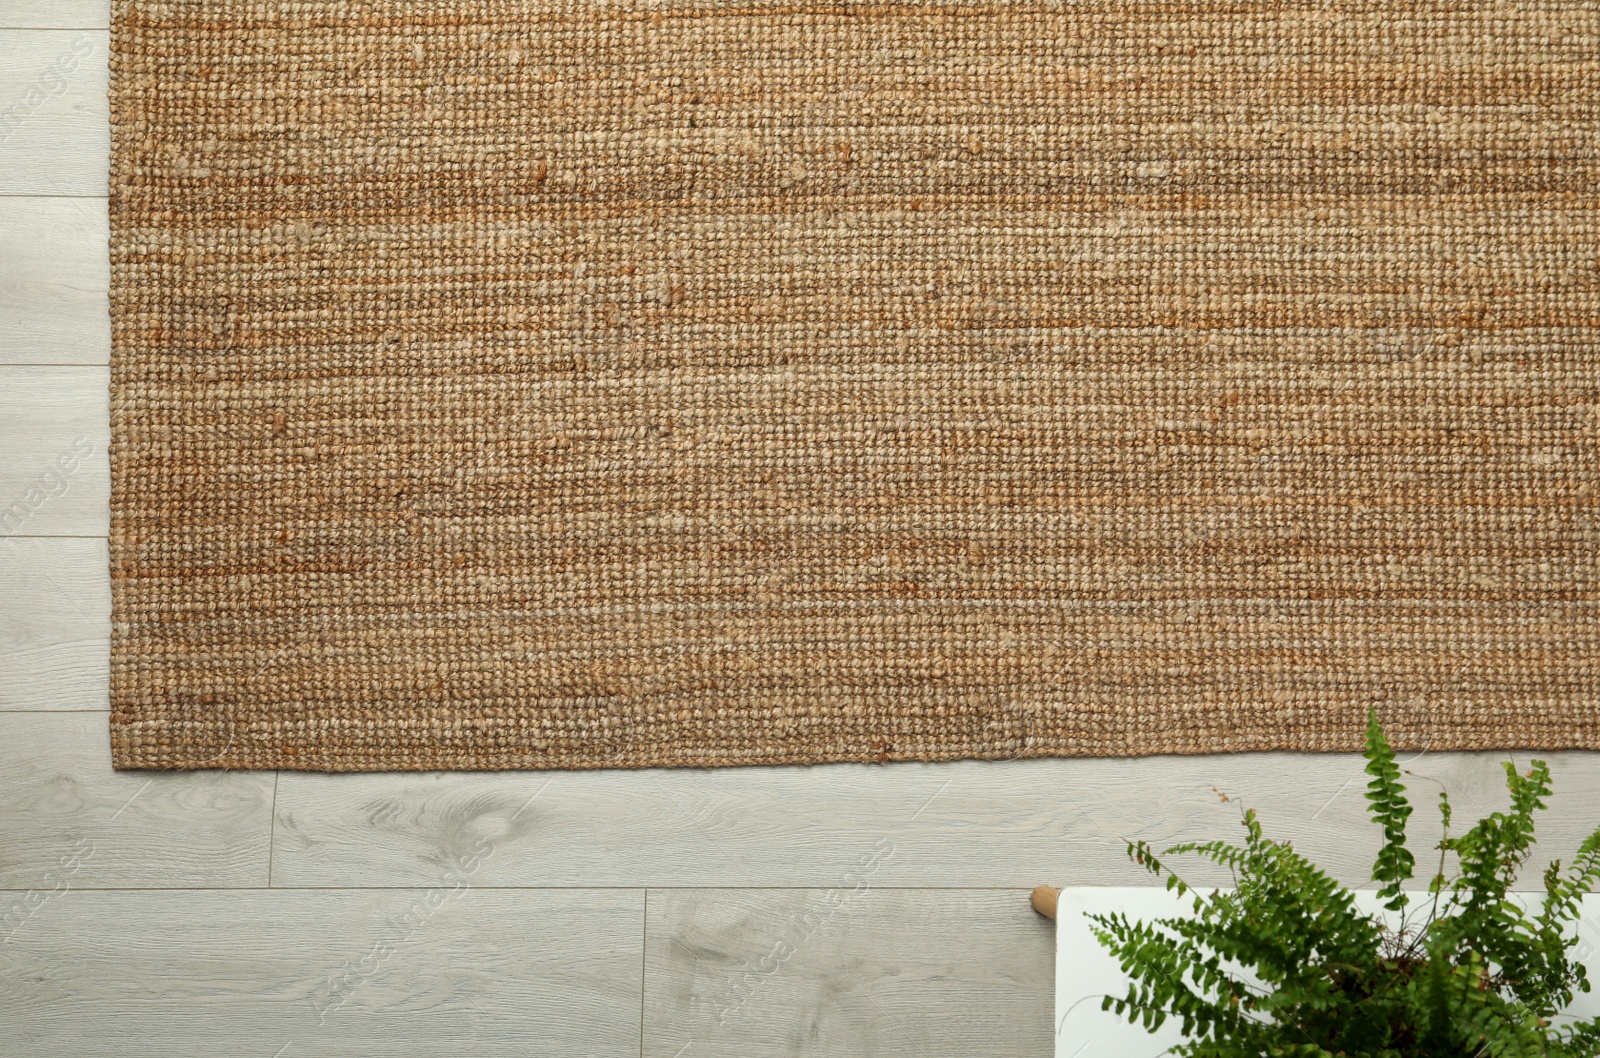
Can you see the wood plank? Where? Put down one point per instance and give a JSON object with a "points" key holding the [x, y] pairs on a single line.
{"points": [[55, 624], [54, 429], [851, 969], [968, 824], [55, 275], [55, 136], [142, 829], [55, 14], [447, 971]]}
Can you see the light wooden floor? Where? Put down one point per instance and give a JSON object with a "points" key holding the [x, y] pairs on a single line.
{"points": [[842, 910]]}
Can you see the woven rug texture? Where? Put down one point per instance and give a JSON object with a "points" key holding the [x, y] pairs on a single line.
{"points": [[579, 383]]}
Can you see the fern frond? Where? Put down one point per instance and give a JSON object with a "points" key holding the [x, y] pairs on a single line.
{"points": [[1479, 977], [1390, 810], [1562, 893]]}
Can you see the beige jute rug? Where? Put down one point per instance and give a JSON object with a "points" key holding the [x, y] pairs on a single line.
{"points": [[588, 383]]}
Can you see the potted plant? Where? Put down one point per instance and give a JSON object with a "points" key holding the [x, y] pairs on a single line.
{"points": [[1285, 963]]}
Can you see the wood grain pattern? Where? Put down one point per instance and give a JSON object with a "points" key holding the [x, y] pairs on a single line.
{"points": [[852, 969], [58, 793], [54, 430], [55, 624], [964, 824], [55, 135], [55, 14], [448, 971], [54, 281]]}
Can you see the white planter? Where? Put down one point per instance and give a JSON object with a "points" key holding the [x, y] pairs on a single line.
{"points": [[1085, 971]]}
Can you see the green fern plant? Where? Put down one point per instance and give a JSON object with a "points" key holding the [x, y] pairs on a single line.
{"points": [[1466, 973]]}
